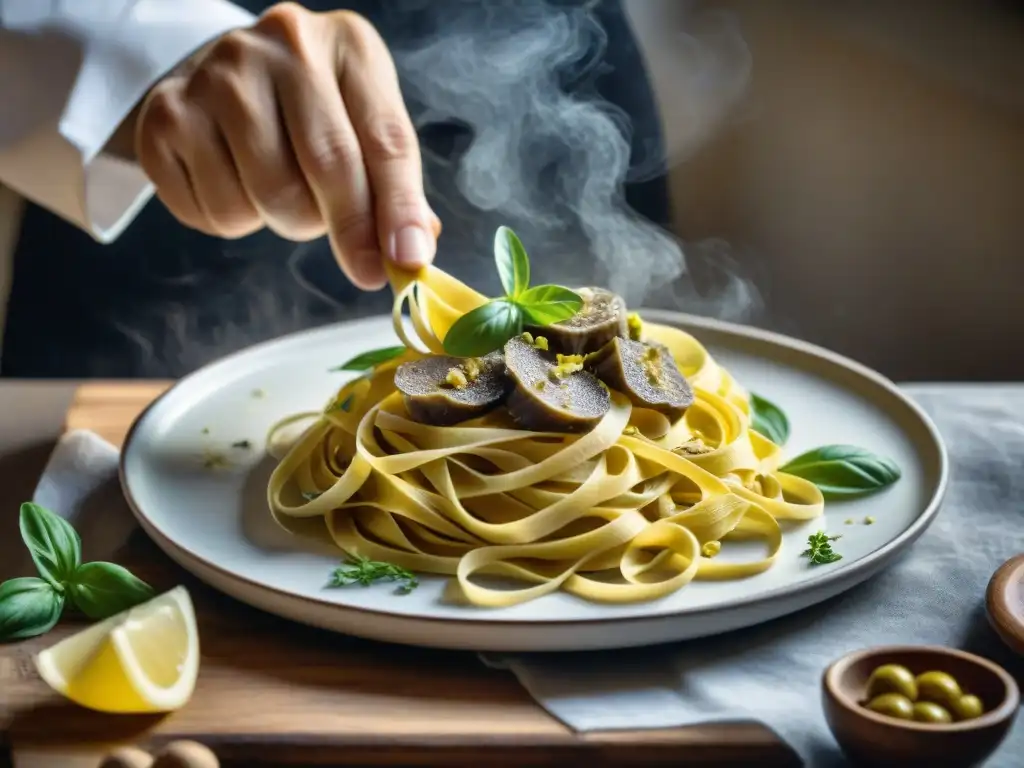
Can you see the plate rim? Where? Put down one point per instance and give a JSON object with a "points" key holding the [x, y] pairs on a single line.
{"points": [[854, 572]]}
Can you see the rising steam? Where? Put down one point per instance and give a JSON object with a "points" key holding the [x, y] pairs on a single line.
{"points": [[553, 164], [536, 148]]}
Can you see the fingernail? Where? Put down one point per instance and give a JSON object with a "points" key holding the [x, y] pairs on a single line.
{"points": [[412, 247]]}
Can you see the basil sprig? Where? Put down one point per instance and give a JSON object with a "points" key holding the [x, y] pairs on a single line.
{"points": [[489, 326], [371, 359], [844, 471], [839, 471], [547, 304], [513, 263], [103, 589], [30, 606], [365, 363], [768, 419]]}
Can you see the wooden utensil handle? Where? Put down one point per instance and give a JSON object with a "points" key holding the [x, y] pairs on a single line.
{"points": [[1004, 603], [177, 754]]}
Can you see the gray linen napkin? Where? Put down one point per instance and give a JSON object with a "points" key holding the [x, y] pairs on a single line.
{"points": [[80, 484], [770, 673]]}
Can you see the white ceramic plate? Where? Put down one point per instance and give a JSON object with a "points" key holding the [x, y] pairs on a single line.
{"points": [[216, 524]]}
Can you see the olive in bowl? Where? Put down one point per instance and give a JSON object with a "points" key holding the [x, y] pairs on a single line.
{"points": [[918, 706]]}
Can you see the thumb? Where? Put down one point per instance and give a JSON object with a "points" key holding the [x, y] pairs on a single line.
{"points": [[408, 230]]}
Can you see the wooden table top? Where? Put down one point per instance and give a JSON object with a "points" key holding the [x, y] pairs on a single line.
{"points": [[272, 692]]}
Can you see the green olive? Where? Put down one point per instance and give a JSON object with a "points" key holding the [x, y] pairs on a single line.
{"points": [[929, 712], [893, 705], [967, 707], [892, 678], [939, 688]]}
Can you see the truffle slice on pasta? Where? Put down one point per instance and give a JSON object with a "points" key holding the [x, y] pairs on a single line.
{"points": [[601, 318], [552, 391], [441, 390], [646, 373]]}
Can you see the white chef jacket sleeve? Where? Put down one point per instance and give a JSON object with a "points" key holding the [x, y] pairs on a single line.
{"points": [[70, 72]]}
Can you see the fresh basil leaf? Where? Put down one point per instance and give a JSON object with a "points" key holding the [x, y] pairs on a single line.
{"points": [[100, 590], [513, 263], [55, 546], [485, 329], [345, 405], [28, 607], [368, 360], [768, 419], [547, 304], [843, 471]]}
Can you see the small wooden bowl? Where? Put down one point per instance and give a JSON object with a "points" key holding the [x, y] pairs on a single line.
{"points": [[878, 740], [1004, 601]]}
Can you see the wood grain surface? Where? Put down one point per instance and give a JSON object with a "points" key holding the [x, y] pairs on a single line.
{"points": [[272, 692]]}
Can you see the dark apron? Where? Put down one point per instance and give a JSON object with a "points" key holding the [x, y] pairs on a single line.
{"points": [[163, 300]]}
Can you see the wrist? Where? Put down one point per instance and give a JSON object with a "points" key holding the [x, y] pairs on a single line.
{"points": [[122, 143]]}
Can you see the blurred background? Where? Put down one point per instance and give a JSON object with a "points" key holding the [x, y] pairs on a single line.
{"points": [[871, 176], [853, 169]]}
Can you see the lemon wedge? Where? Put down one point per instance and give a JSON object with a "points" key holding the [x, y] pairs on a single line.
{"points": [[145, 659]]}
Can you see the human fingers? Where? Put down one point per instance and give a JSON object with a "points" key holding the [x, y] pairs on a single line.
{"points": [[324, 140], [161, 128], [233, 86], [185, 155], [370, 90]]}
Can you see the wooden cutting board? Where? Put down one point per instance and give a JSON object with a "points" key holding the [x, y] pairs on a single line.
{"points": [[272, 692]]}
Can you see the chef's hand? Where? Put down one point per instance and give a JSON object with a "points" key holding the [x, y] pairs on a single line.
{"points": [[297, 124]]}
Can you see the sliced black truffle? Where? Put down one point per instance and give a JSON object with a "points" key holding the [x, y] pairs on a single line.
{"points": [[646, 373], [442, 390], [552, 392], [601, 318]]}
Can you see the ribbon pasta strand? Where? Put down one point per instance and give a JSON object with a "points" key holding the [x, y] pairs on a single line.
{"points": [[619, 514]]}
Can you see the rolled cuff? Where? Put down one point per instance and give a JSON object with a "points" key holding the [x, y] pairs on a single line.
{"points": [[123, 49]]}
